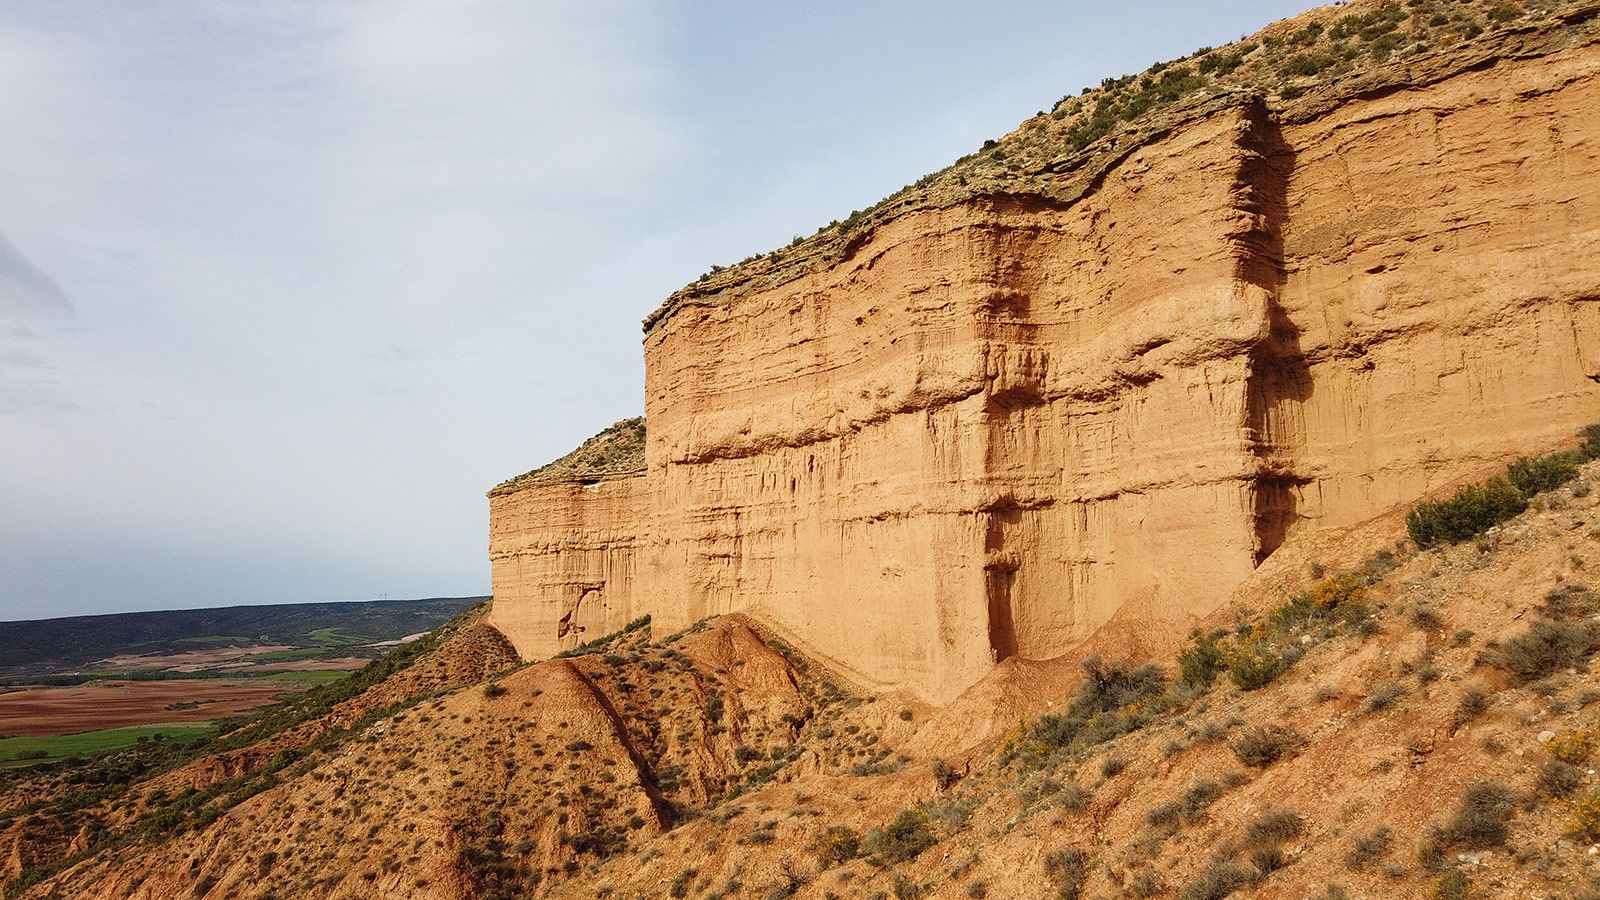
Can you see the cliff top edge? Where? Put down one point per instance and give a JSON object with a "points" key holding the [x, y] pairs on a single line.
{"points": [[1299, 67], [616, 451]]}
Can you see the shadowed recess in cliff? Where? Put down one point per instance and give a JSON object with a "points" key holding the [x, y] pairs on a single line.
{"points": [[1280, 378], [999, 579]]}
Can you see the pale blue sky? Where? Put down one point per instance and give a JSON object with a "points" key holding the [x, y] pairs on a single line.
{"points": [[285, 287]]}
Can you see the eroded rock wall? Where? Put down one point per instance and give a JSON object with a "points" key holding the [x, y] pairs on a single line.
{"points": [[1442, 282], [564, 561], [995, 425]]}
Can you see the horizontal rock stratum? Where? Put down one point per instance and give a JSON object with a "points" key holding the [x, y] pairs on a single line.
{"points": [[1052, 387]]}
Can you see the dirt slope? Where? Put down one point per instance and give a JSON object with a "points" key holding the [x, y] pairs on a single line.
{"points": [[719, 763]]}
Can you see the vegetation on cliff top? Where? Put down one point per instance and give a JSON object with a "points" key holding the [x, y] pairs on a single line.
{"points": [[1298, 67], [618, 450]]}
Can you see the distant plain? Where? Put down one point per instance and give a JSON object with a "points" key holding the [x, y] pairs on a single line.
{"points": [[71, 687]]}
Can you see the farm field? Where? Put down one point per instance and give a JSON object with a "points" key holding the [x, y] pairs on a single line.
{"points": [[70, 687], [99, 705], [32, 749]]}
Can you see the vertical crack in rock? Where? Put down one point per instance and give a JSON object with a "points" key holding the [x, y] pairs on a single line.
{"points": [[1279, 376], [999, 578], [1015, 369]]}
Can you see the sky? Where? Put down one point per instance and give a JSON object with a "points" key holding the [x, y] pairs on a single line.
{"points": [[286, 286]]}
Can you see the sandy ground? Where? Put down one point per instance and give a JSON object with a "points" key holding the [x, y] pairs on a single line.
{"points": [[113, 704]]}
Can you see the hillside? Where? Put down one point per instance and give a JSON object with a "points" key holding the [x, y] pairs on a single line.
{"points": [[1373, 724], [56, 646], [56, 814]]}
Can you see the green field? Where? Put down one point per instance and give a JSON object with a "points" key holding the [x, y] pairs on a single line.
{"points": [[331, 637], [295, 655], [316, 676], [28, 750]]}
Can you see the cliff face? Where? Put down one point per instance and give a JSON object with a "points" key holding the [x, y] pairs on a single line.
{"points": [[991, 425]]}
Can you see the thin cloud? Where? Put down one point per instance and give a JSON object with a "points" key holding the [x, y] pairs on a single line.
{"points": [[25, 289]]}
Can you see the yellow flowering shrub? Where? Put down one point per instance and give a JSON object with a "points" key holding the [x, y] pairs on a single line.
{"points": [[1573, 747], [1584, 823], [1338, 590]]}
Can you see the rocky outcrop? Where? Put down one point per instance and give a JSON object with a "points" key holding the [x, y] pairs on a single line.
{"points": [[990, 425]]}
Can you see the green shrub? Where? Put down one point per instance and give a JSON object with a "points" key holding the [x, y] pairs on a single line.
{"points": [[1163, 815], [1069, 870], [1470, 706], [1198, 665], [1274, 827], [1480, 819], [1537, 474], [1383, 696], [1264, 745], [901, 840], [1546, 648], [1503, 13], [1558, 779], [1197, 799], [1074, 797], [1113, 700], [1254, 664], [1106, 688], [1145, 882], [1306, 64], [1219, 879], [839, 844], [1570, 601], [1468, 513], [1590, 449], [1452, 885], [680, 884], [1368, 848]]}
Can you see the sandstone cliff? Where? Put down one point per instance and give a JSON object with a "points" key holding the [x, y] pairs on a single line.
{"points": [[1107, 377]]}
